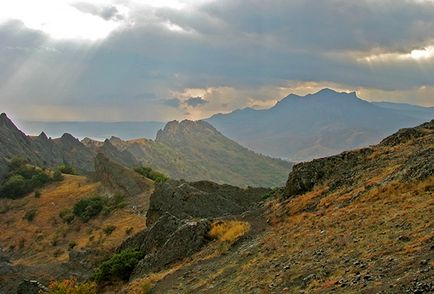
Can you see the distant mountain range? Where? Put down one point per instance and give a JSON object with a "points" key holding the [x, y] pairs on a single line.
{"points": [[183, 150], [301, 128], [95, 130]]}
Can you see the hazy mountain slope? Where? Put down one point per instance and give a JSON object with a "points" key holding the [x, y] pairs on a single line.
{"points": [[358, 222], [426, 113], [197, 151], [96, 130], [317, 125], [220, 158]]}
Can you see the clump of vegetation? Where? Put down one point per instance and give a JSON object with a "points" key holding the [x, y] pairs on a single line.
{"points": [[151, 174], [108, 230], [67, 215], [30, 214], [66, 169], [113, 203], [119, 266], [23, 178], [57, 176], [72, 287], [37, 194], [89, 208], [228, 231]]}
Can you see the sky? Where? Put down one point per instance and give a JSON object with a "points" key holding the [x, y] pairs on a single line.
{"points": [[130, 60]]}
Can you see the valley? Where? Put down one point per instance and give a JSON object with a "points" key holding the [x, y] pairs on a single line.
{"points": [[357, 222]]}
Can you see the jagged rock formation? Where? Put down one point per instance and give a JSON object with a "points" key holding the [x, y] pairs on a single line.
{"points": [[200, 199], [40, 150], [168, 240], [119, 178], [31, 287], [186, 150]]}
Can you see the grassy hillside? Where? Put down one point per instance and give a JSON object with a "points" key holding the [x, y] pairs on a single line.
{"points": [[213, 156], [41, 234], [364, 226], [197, 151]]}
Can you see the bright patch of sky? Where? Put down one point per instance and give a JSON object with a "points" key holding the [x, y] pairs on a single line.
{"points": [[63, 19]]}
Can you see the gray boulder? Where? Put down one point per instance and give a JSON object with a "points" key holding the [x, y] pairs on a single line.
{"points": [[31, 287]]}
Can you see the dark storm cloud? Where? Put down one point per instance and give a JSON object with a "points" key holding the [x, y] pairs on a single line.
{"points": [[195, 101], [244, 45]]}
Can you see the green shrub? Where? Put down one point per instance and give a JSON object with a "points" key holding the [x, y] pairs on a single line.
{"points": [[67, 215], [30, 214], [14, 187], [113, 203], [151, 174], [66, 169], [57, 176], [37, 194], [88, 208], [21, 179], [108, 230], [119, 266]]}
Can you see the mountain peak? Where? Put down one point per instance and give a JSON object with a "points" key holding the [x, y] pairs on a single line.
{"points": [[5, 121], [43, 136], [326, 91], [331, 92]]}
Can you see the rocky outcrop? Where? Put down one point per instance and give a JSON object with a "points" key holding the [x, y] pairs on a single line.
{"points": [[31, 287], [407, 134], [122, 156], [168, 240], [412, 162], [120, 179], [200, 199], [305, 176], [41, 150]]}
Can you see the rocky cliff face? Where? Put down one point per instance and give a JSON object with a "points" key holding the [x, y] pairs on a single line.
{"points": [[40, 150], [119, 178], [201, 199], [168, 240]]}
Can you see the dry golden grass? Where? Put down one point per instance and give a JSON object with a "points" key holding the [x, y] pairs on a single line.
{"points": [[47, 238], [228, 231]]}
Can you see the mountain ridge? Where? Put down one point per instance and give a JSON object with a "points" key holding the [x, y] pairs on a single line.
{"points": [[316, 125], [183, 150]]}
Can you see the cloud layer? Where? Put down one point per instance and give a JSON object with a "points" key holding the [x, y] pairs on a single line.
{"points": [[191, 60]]}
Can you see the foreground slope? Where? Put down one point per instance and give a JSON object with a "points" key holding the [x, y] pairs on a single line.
{"points": [[322, 124], [358, 222], [56, 243]]}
